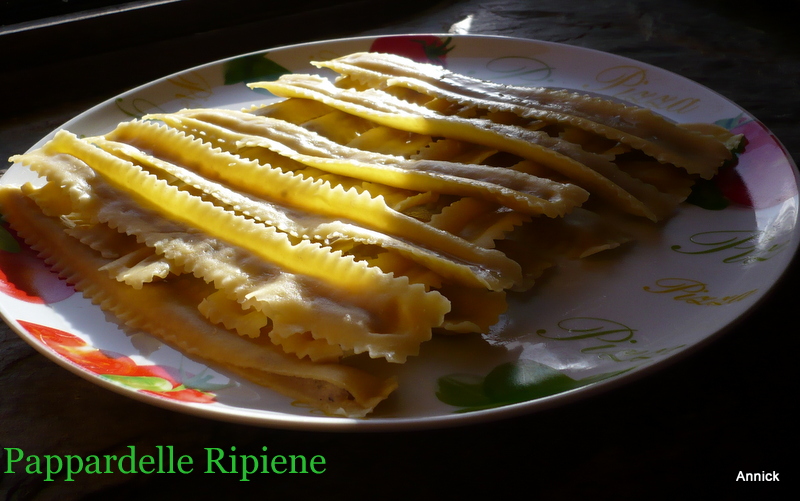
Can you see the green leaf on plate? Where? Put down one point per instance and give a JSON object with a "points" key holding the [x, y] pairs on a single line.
{"points": [[733, 122], [151, 383], [707, 195], [509, 383], [252, 68], [462, 390], [201, 382], [7, 242], [525, 380]]}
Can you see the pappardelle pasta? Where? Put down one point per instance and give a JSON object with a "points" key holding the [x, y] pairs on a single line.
{"points": [[350, 218]]}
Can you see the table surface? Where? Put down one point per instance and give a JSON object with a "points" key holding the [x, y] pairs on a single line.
{"points": [[722, 409]]}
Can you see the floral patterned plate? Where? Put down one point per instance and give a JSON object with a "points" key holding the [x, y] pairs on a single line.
{"points": [[598, 322]]}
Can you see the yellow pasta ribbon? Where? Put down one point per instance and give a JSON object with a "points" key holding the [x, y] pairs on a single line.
{"points": [[354, 279], [318, 197], [638, 127], [593, 172], [516, 190], [166, 311]]}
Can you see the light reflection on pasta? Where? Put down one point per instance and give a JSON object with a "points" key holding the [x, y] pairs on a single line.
{"points": [[351, 218]]}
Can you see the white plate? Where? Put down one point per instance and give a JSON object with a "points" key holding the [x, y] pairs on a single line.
{"points": [[584, 327]]}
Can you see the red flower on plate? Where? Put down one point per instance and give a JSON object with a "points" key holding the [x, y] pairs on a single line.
{"points": [[761, 177], [420, 48], [184, 395], [150, 379], [24, 276]]}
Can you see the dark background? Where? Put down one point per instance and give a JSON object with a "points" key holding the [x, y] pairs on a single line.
{"points": [[689, 427]]}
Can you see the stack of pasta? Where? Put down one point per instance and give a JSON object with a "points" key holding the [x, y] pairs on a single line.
{"points": [[354, 216]]}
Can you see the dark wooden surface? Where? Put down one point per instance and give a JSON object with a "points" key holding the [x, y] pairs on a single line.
{"points": [[726, 407]]}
